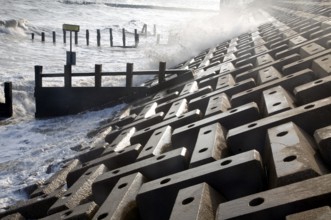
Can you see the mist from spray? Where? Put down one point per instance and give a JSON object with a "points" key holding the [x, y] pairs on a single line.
{"points": [[205, 31]]}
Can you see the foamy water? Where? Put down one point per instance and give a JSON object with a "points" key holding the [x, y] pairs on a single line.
{"points": [[31, 150]]}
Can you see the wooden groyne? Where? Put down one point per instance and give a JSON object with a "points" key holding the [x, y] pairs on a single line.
{"points": [[57, 101], [6, 108], [136, 37]]}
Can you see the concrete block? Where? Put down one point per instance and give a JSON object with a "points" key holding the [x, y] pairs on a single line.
{"points": [[187, 135], [321, 66], [79, 191], [111, 161], [177, 109], [197, 202], [252, 135], [36, 207], [296, 40], [81, 212], [189, 88], [307, 63], [310, 49], [217, 104], [225, 81], [268, 74], [56, 181], [152, 168], [289, 83], [210, 145], [15, 216], [121, 141], [264, 59], [147, 111], [232, 177], [143, 136], [276, 100], [158, 143], [279, 202], [291, 155], [313, 91], [260, 49], [121, 203], [322, 213], [323, 139], [278, 64]]}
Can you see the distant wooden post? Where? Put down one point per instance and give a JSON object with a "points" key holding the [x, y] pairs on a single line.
{"points": [[54, 37], [87, 37], [124, 37], [64, 36], [98, 37], [67, 76], [42, 36], [32, 36], [9, 99], [162, 69], [111, 37], [38, 70], [145, 30], [158, 39], [136, 38], [129, 74], [76, 37], [98, 71], [154, 30]]}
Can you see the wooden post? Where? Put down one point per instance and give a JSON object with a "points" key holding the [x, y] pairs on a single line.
{"points": [[98, 37], [9, 99], [98, 71], [38, 70], [76, 38], [124, 37], [32, 36], [129, 74], [154, 30], [87, 37], [162, 69], [54, 37], [158, 39], [42, 36], [67, 76], [144, 30], [111, 37], [64, 36], [136, 38]]}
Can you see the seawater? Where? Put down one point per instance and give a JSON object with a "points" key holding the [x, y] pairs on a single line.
{"points": [[32, 150]]}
